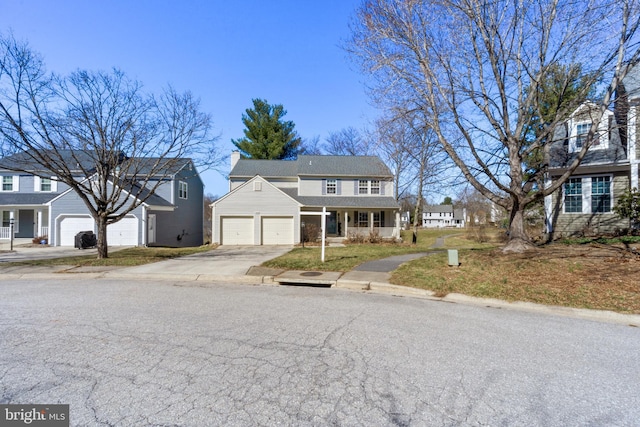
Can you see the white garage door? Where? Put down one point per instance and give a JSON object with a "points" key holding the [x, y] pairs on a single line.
{"points": [[72, 225], [237, 230], [277, 231], [123, 232]]}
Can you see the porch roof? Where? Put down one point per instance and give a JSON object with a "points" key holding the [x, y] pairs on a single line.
{"points": [[16, 199], [344, 202]]}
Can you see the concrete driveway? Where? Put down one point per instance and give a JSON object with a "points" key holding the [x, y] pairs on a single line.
{"points": [[222, 261]]}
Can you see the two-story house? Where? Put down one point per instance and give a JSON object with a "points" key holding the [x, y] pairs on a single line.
{"points": [[584, 205], [440, 216], [268, 200], [44, 207]]}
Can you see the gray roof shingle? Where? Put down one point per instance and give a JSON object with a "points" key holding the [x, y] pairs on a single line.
{"points": [[15, 198], [364, 166], [362, 202]]}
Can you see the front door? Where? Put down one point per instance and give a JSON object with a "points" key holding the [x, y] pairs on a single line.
{"points": [[332, 223]]}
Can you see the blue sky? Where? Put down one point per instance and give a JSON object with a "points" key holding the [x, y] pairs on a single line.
{"points": [[226, 52]]}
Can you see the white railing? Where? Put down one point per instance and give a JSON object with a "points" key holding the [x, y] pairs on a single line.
{"points": [[5, 233], [44, 231], [384, 232]]}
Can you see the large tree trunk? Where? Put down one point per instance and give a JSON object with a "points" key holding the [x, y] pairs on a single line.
{"points": [[518, 239], [102, 237]]}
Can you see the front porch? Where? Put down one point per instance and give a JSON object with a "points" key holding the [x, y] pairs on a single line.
{"points": [[345, 223], [26, 222]]}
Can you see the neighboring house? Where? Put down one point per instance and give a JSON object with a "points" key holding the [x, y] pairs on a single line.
{"points": [[268, 200], [440, 216], [45, 207], [584, 204]]}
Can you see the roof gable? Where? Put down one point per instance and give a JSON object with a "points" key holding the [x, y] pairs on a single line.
{"points": [[241, 188]]}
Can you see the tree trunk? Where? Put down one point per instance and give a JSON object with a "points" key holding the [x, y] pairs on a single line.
{"points": [[102, 237], [518, 239]]}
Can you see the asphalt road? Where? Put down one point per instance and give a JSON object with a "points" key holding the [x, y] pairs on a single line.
{"points": [[143, 353]]}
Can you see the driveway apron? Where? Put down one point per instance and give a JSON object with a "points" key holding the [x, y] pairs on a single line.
{"points": [[222, 261]]}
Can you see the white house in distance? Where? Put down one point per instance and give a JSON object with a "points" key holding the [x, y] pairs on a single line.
{"points": [[268, 200], [441, 216]]}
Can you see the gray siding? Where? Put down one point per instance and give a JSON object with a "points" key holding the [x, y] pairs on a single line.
{"points": [[184, 226]]}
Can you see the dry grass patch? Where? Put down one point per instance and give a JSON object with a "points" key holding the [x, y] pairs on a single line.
{"points": [[122, 258], [592, 276]]}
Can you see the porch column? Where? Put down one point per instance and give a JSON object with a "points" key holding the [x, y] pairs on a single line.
{"points": [[39, 223], [12, 220], [371, 221], [346, 224], [396, 226]]}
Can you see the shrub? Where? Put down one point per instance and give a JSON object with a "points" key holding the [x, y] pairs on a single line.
{"points": [[310, 233], [37, 240]]}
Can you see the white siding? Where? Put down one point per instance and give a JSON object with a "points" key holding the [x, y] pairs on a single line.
{"points": [[245, 201]]}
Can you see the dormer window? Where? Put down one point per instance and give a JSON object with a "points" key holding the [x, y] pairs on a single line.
{"points": [[582, 131], [580, 126]]}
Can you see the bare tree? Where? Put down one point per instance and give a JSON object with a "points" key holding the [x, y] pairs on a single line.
{"points": [[394, 148], [97, 132], [407, 141], [346, 142], [476, 68]]}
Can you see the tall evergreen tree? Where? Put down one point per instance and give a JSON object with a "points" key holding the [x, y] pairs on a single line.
{"points": [[267, 135]]}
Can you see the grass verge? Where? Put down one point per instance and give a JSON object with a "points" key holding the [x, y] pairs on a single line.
{"points": [[123, 258], [600, 277]]}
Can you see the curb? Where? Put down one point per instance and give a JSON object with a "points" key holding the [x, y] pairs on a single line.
{"points": [[351, 285]]}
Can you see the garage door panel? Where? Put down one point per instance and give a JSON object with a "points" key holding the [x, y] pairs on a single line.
{"points": [[72, 225], [123, 232], [277, 230], [237, 230]]}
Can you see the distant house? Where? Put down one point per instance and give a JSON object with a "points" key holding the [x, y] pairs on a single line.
{"points": [[270, 200], [45, 207], [441, 216], [584, 204]]}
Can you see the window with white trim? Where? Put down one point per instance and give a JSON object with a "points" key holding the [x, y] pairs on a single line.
{"points": [[573, 195], [45, 184], [7, 183], [600, 194], [182, 190], [363, 219], [332, 186], [582, 131], [588, 195], [375, 186], [363, 186], [6, 218]]}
